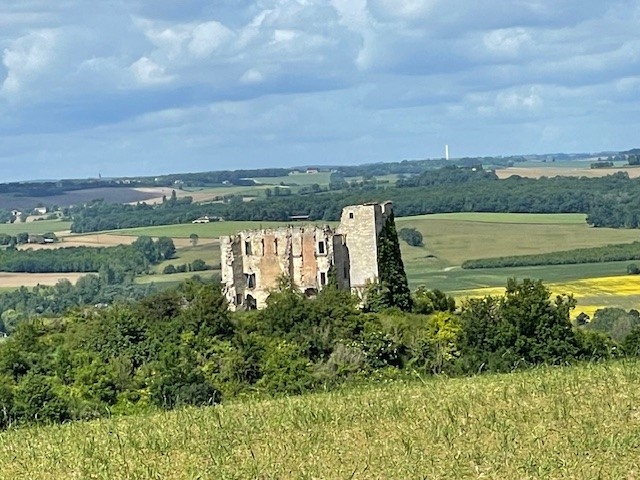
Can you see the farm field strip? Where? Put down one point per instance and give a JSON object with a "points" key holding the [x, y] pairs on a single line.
{"points": [[578, 169], [39, 227], [10, 280], [207, 230], [301, 179], [498, 217], [591, 294], [572, 422]]}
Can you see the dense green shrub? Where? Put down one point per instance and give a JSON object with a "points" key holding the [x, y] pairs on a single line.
{"points": [[522, 328], [411, 235], [182, 346]]}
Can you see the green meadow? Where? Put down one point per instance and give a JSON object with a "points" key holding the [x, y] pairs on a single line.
{"points": [[203, 230], [37, 227], [449, 240], [300, 179], [572, 423]]}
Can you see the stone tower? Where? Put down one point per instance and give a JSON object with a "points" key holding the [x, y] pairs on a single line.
{"points": [[360, 226]]}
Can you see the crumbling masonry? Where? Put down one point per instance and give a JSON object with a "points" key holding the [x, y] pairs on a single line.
{"points": [[254, 260]]}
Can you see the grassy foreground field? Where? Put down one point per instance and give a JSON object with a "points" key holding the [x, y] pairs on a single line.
{"points": [[571, 423]]}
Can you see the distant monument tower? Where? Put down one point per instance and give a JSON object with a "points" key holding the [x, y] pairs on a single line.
{"points": [[446, 152]]}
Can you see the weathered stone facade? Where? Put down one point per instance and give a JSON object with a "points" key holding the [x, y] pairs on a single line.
{"points": [[254, 260]]}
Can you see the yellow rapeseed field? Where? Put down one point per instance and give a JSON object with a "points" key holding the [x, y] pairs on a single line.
{"points": [[591, 294]]}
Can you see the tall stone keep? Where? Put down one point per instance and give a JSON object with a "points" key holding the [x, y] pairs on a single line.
{"points": [[360, 226], [252, 261]]}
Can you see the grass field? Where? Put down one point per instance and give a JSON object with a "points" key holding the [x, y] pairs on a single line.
{"points": [[41, 226], [568, 169], [452, 238], [449, 240], [209, 252], [301, 179], [490, 217], [573, 423], [203, 230]]}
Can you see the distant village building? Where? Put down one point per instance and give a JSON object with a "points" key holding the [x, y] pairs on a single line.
{"points": [[207, 219], [253, 261]]}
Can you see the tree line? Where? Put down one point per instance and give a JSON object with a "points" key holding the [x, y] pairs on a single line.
{"points": [[126, 259], [182, 346], [609, 253], [608, 201]]}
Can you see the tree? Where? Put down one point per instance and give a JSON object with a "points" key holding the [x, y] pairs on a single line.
{"points": [[412, 236], [198, 265], [390, 267], [522, 328], [193, 238], [427, 301], [166, 248]]}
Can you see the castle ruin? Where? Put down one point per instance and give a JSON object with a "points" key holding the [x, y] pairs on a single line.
{"points": [[253, 261]]}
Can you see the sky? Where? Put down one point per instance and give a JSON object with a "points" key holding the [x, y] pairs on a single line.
{"points": [[134, 87]]}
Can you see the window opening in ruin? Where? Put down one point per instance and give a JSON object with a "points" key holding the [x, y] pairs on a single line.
{"points": [[321, 248], [262, 243], [275, 246], [247, 247], [250, 303], [310, 292], [350, 214], [323, 278], [251, 279], [238, 299]]}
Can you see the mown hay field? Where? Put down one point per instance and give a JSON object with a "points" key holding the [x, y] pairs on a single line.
{"points": [[571, 423]]}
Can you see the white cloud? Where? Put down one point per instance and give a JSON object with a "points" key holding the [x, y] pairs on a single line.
{"points": [[147, 72], [507, 41], [345, 80], [26, 59], [252, 76], [207, 37], [514, 101]]}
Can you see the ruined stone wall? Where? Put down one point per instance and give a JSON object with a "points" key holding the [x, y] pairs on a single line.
{"points": [[254, 260]]}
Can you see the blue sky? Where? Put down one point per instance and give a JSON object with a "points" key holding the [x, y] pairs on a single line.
{"points": [[134, 87]]}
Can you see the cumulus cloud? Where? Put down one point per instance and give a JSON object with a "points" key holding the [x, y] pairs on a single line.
{"points": [[147, 72], [311, 80], [27, 59]]}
